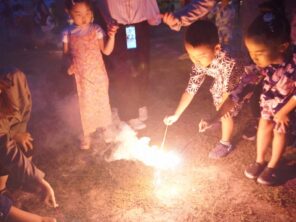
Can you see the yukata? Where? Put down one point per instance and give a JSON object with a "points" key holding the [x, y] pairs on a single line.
{"points": [[225, 71], [90, 74], [225, 18], [278, 87]]}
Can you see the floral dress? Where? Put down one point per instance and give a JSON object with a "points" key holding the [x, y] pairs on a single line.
{"points": [[224, 70], [90, 75]]}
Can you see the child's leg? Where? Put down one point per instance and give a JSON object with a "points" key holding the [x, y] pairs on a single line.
{"points": [[227, 128], [17, 215], [264, 137], [3, 180], [278, 147], [223, 147]]}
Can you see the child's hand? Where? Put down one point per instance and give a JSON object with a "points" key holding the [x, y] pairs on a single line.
{"points": [[25, 139], [203, 126], [282, 121], [112, 30], [169, 120], [281, 118], [48, 194]]}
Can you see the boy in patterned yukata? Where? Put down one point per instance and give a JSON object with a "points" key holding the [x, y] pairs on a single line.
{"points": [[202, 45], [84, 41]]}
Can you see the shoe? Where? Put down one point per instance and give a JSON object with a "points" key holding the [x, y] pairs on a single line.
{"points": [[143, 113], [109, 134], [254, 170], [137, 124], [85, 143], [267, 177], [220, 150], [250, 131]]}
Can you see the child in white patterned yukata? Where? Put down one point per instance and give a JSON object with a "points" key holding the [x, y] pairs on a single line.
{"points": [[84, 42], [268, 43], [202, 45]]}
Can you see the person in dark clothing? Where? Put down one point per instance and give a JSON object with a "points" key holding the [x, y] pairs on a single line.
{"points": [[15, 142]]}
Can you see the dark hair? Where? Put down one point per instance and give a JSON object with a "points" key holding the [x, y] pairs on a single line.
{"points": [[69, 4], [271, 26], [202, 32]]}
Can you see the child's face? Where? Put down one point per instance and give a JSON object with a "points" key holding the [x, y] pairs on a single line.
{"points": [[264, 55], [202, 55], [81, 14]]}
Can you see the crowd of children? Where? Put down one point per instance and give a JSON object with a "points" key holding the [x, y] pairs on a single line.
{"points": [[273, 70]]}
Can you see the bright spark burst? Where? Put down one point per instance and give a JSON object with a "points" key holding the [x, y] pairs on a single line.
{"points": [[132, 148]]}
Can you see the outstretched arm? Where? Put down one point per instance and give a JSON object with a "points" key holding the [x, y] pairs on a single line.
{"points": [[183, 104], [188, 14]]}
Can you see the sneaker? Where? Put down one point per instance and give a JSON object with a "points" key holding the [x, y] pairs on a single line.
{"points": [[254, 170], [143, 113], [220, 150], [137, 124], [85, 143], [267, 177], [250, 131]]}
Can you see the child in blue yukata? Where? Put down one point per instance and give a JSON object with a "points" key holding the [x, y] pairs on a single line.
{"points": [[202, 45], [268, 43]]}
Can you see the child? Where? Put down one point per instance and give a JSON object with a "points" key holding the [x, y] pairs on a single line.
{"points": [[84, 41], [268, 43], [202, 45]]}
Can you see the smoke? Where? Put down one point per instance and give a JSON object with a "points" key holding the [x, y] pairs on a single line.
{"points": [[130, 147]]}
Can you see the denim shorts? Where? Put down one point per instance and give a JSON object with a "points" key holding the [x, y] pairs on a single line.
{"points": [[5, 205]]}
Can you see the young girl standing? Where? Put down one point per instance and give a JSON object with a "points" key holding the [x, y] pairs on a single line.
{"points": [[268, 43], [84, 42]]}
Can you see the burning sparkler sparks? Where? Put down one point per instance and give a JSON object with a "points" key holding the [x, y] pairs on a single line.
{"points": [[131, 148]]}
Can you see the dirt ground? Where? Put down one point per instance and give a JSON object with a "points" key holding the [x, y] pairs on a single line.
{"points": [[89, 189]]}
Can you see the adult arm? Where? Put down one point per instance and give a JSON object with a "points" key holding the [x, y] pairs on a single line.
{"points": [[189, 14]]}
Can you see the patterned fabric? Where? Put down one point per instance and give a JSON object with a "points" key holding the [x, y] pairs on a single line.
{"points": [[249, 80], [225, 18], [279, 85], [91, 77], [225, 72], [131, 11]]}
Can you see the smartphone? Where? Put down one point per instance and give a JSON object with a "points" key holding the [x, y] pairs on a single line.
{"points": [[131, 39]]}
